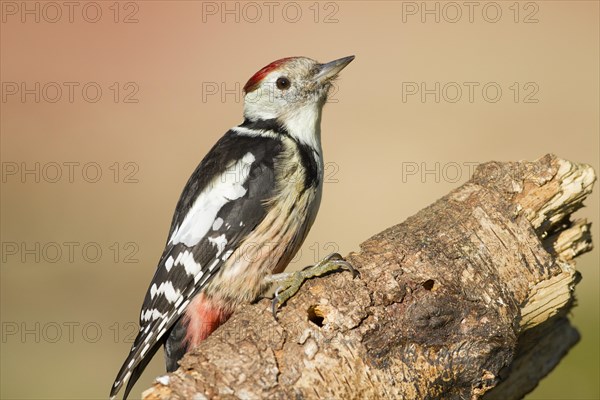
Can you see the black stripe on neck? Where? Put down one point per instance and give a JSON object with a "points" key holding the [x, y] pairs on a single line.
{"points": [[309, 158], [265, 125], [308, 154]]}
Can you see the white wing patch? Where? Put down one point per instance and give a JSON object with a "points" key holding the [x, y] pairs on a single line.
{"points": [[220, 242], [223, 188], [167, 289], [145, 350], [254, 132], [169, 263], [213, 264], [227, 254], [178, 259], [151, 315], [217, 224], [190, 265]]}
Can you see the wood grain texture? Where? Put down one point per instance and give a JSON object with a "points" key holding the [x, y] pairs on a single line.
{"points": [[466, 299]]}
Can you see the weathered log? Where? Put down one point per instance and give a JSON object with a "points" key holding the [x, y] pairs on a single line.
{"points": [[466, 299]]}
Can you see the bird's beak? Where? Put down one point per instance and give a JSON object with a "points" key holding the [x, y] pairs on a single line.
{"points": [[330, 70]]}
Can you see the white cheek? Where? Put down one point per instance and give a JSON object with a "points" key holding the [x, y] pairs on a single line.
{"points": [[264, 103], [292, 97]]}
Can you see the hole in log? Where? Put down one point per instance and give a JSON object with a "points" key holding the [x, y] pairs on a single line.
{"points": [[428, 284], [316, 316]]}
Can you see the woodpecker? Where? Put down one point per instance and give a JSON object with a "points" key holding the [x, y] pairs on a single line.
{"points": [[242, 216]]}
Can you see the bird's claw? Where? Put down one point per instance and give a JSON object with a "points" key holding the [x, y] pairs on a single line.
{"points": [[290, 282], [275, 302]]}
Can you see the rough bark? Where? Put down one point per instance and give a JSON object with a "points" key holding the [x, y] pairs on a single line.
{"points": [[466, 299]]}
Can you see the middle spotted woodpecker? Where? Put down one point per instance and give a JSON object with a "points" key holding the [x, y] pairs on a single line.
{"points": [[242, 216]]}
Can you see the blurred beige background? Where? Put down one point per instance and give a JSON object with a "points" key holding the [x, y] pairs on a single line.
{"points": [[108, 107]]}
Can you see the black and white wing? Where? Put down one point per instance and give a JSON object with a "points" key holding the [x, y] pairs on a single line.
{"points": [[223, 201]]}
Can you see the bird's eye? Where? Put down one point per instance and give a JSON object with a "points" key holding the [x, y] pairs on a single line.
{"points": [[283, 83]]}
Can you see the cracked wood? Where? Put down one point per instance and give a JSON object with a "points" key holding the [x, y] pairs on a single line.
{"points": [[466, 299]]}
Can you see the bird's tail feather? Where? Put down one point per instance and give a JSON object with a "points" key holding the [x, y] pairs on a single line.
{"points": [[130, 372]]}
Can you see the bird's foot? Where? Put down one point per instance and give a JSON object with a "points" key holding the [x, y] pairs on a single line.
{"points": [[288, 283]]}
